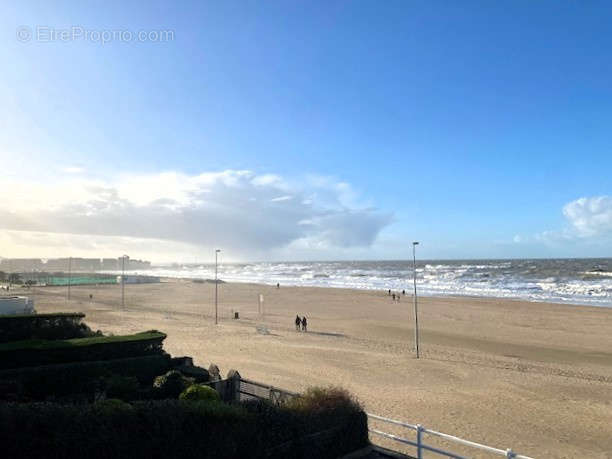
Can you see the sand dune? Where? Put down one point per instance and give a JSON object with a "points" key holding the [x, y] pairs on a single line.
{"points": [[536, 377]]}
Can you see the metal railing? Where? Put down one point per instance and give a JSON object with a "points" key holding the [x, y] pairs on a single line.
{"points": [[421, 446], [249, 390]]}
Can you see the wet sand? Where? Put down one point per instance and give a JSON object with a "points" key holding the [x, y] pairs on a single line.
{"points": [[536, 377]]}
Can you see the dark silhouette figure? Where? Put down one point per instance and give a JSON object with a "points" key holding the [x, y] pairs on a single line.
{"points": [[393, 296], [278, 285], [304, 323], [298, 321], [403, 292], [389, 292]]}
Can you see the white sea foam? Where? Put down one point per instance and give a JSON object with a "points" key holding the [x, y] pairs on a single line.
{"points": [[571, 281]]}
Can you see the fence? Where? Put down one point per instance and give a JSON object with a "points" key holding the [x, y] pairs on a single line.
{"points": [[225, 389], [250, 390], [421, 446], [238, 388]]}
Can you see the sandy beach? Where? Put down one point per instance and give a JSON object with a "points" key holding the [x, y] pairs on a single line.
{"points": [[536, 377]]}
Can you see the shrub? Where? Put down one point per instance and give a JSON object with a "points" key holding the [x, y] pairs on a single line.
{"points": [[185, 429], [110, 429], [20, 327], [324, 422], [324, 399], [197, 392], [197, 373], [122, 387], [40, 383], [170, 385], [113, 406], [44, 352]]}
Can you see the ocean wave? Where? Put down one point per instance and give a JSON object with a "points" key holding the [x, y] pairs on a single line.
{"points": [[571, 281]]}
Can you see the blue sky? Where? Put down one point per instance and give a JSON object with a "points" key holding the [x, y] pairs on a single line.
{"points": [[480, 128]]}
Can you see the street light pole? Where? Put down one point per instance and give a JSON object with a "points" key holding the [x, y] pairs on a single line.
{"points": [[123, 282], [69, 275], [216, 287], [416, 311]]}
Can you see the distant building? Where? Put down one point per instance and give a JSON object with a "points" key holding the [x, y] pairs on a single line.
{"points": [[128, 264], [86, 264], [20, 264], [109, 264], [57, 264], [74, 264], [140, 264]]}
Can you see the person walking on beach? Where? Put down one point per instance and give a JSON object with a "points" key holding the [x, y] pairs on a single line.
{"points": [[393, 296], [278, 285], [389, 292], [304, 323], [298, 321]]}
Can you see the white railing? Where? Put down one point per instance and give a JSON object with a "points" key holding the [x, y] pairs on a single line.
{"points": [[421, 446]]}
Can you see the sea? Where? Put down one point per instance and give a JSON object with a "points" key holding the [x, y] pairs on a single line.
{"points": [[573, 281]]}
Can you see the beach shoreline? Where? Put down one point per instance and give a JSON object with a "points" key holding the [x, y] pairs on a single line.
{"points": [[571, 281], [409, 292]]}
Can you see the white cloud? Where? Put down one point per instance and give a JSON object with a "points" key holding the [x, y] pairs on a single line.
{"points": [[590, 216], [249, 214], [281, 198], [73, 170]]}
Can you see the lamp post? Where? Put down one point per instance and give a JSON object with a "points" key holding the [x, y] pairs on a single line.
{"points": [[123, 281], [69, 275], [216, 287], [416, 311]]}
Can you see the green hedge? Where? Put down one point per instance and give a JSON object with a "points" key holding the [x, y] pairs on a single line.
{"points": [[323, 422], [80, 378], [178, 429], [29, 353], [20, 327]]}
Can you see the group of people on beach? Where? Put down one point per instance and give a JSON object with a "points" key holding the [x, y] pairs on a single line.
{"points": [[301, 322], [396, 296]]}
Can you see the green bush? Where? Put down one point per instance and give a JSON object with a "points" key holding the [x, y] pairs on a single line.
{"points": [[324, 399], [111, 429], [44, 352], [20, 327], [57, 381], [324, 422], [171, 384], [122, 387], [113, 407], [197, 392], [182, 429]]}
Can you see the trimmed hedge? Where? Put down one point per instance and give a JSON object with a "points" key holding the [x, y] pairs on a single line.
{"points": [[180, 429], [19, 327], [86, 378], [43, 352], [155, 429]]}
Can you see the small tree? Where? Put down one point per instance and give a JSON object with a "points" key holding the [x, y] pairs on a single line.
{"points": [[14, 278]]}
